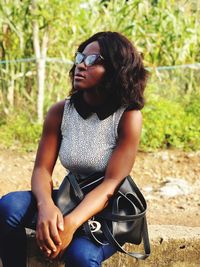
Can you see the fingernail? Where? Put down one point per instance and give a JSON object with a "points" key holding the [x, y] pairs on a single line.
{"points": [[61, 226]]}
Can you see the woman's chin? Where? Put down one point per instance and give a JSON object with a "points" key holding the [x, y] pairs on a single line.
{"points": [[81, 87], [77, 86]]}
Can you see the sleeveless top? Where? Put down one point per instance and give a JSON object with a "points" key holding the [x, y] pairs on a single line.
{"points": [[87, 144]]}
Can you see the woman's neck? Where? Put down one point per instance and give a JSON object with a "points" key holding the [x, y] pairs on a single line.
{"points": [[94, 98]]}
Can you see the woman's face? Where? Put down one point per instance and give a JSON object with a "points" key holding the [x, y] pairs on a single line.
{"points": [[88, 77]]}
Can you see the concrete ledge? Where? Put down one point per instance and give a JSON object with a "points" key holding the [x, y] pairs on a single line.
{"points": [[171, 246]]}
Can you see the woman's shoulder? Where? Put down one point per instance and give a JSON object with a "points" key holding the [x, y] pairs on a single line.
{"points": [[132, 116], [130, 113], [130, 119], [55, 112], [58, 108]]}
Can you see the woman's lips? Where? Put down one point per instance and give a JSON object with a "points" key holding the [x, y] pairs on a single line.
{"points": [[79, 76]]}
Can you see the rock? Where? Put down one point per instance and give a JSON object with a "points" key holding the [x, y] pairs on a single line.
{"points": [[174, 187], [165, 156], [148, 188]]}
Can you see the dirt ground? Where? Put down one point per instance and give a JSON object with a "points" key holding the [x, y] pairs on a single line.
{"points": [[170, 181]]}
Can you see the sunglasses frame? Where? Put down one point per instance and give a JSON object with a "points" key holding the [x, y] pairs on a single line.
{"points": [[84, 58]]}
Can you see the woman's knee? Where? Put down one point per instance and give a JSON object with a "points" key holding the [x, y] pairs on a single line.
{"points": [[13, 208]]}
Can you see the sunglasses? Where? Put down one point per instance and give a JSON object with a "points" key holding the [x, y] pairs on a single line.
{"points": [[88, 60]]}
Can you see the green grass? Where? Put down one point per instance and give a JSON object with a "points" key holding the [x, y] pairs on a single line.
{"points": [[20, 131]]}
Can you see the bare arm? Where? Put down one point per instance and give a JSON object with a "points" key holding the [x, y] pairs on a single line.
{"points": [[49, 217], [47, 153], [119, 166]]}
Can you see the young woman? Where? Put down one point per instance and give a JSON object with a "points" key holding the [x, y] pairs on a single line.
{"points": [[96, 129]]}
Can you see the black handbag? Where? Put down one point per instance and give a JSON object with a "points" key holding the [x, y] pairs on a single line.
{"points": [[122, 221]]}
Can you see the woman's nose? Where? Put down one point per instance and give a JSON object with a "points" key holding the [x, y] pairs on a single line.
{"points": [[81, 65]]}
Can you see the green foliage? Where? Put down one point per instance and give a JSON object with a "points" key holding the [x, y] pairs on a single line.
{"points": [[20, 131], [169, 124], [166, 32], [193, 105], [166, 124]]}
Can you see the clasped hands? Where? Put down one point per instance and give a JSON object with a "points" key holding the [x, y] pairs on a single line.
{"points": [[53, 232]]}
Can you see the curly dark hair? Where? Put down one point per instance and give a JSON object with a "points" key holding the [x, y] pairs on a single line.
{"points": [[125, 76]]}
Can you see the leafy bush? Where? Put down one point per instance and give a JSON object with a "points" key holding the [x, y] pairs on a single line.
{"points": [[170, 124], [166, 124], [193, 105]]}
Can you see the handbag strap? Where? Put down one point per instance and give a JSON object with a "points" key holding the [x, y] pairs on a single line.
{"points": [[89, 233], [77, 190], [115, 217], [104, 214], [79, 194], [137, 255]]}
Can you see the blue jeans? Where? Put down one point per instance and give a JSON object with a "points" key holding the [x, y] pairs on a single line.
{"points": [[19, 210]]}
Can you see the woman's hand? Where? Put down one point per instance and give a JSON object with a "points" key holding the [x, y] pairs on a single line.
{"points": [[65, 236], [49, 227]]}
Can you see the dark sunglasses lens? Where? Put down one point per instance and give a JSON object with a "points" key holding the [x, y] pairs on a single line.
{"points": [[90, 60], [78, 58]]}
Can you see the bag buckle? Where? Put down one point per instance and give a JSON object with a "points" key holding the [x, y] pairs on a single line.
{"points": [[94, 226]]}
